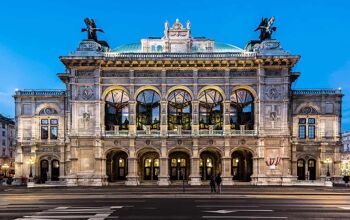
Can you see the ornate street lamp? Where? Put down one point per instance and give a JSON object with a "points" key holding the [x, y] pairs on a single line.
{"points": [[30, 162], [5, 167], [328, 161]]}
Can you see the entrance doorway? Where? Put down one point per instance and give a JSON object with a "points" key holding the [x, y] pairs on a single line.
{"points": [[209, 164], [150, 165], [44, 169], [116, 166], [179, 166], [242, 165], [55, 170], [301, 169], [312, 169]]}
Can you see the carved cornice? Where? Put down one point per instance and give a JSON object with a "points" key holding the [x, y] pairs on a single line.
{"points": [[165, 62]]}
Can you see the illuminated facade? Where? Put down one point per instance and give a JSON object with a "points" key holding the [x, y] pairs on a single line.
{"points": [[178, 107]]}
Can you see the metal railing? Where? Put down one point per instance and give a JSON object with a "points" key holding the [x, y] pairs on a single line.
{"points": [[179, 133], [42, 92], [117, 133]]}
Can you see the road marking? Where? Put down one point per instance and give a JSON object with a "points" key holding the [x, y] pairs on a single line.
{"points": [[344, 207], [227, 206], [66, 212], [222, 211], [244, 217]]}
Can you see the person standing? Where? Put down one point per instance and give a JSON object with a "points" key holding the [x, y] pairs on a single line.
{"points": [[212, 184], [218, 181]]}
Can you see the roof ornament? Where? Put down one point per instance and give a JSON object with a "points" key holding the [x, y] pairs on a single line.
{"points": [[266, 28], [91, 29]]}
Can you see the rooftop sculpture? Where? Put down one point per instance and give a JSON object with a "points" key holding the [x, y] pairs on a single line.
{"points": [[91, 29], [266, 28]]}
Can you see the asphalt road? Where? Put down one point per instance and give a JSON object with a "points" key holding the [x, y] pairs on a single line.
{"points": [[172, 203]]}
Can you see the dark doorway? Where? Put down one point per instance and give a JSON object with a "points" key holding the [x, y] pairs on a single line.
{"points": [[312, 169], [55, 170], [301, 169], [242, 165], [44, 169], [209, 164], [116, 166], [179, 166], [150, 165]]}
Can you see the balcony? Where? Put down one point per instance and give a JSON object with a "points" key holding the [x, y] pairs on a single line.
{"points": [[179, 133], [123, 133], [243, 132]]}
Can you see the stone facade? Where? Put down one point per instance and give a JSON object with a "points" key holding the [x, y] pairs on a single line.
{"points": [[239, 116], [7, 141]]}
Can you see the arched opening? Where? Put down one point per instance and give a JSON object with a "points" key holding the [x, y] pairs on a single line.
{"points": [[242, 110], [242, 165], [55, 170], [179, 165], [312, 169], [209, 164], [210, 109], [179, 110], [44, 169], [150, 166], [148, 110], [116, 166], [301, 169], [117, 110]]}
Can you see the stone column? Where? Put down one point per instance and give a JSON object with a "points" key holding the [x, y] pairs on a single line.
{"points": [[227, 125], [195, 178], [132, 177], [195, 118], [226, 165], [163, 178], [163, 118]]}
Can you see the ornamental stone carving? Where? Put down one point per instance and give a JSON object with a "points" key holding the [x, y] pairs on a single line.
{"points": [[273, 92], [85, 93]]}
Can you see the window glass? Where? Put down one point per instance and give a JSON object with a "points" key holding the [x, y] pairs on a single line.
{"points": [[173, 162], [117, 110], [53, 132], [311, 131], [242, 110], [156, 162], [311, 121], [53, 121], [300, 163], [302, 132], [183, 162], [210, 109], [44, 132], [121, 162], [44, 121], [302, 120], [148, 110]]}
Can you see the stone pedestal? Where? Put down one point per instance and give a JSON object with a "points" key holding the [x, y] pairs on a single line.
{"points": [[163, 181], [195, 180]]}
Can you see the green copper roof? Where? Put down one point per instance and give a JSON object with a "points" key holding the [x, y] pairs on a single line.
{"points": [[223, 47], [128, 48], [136, 48]]}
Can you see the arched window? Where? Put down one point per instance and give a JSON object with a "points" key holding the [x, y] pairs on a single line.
{"points": [[308, 110], [242, 110], [148, 110], [159, 48], [117, 110], [179, 110], [210, 109]]}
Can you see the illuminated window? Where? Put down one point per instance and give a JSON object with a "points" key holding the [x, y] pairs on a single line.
{"points": [[242, 110], [117, 110], [179, 110], [148, 110], [210, 109]]}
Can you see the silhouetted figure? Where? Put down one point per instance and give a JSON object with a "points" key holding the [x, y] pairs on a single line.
{"points": [[218, 181], [212, 184]]}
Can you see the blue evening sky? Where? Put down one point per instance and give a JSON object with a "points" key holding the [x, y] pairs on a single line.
{"points": [[35, 33]]}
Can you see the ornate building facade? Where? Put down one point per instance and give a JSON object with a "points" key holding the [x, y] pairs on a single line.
{"points": [[178, 108], [7, 140]]}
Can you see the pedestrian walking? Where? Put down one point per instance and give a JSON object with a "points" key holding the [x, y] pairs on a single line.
{"points": [[212, 184], [218, 181]]}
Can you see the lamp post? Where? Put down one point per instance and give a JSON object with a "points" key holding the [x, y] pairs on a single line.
{"points": [[328, 161], [30, 162], [5, 168]]}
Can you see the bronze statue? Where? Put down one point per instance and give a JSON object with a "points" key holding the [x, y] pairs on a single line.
{"points": [[91, 29], [266, 28]]}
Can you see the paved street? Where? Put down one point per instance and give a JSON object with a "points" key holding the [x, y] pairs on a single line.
{"points": [[171, 203]]}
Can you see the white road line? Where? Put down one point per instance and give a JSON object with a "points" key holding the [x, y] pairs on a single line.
{"points": [[243, 217], [227, 206], [344, 207], [239, 210]]}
